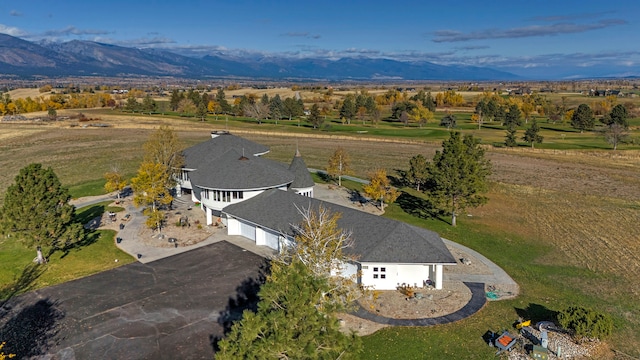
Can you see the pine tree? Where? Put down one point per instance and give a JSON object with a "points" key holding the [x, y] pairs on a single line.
{"points": [[510, 139], [288, 325], [418, 172], [458, 175], [532, 135], [37, 212]]}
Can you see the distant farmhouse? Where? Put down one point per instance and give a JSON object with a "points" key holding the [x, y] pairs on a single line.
{"points": [[261, 200]]}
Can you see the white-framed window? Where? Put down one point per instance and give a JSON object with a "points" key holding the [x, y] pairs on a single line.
{"points": [[205, 194], [379, 272]]}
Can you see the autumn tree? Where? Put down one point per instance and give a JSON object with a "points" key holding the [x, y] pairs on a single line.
{"points": [[615, 134], [421, 114], [37, 212], [418, 172], [115, 181], [256, 110], [458, 175], [339, 164], [582, 119], [164, 147], [319, 244], [150, 189], [532, 134], [379, 188], [152, 185], [186, 107], [296, 318]]}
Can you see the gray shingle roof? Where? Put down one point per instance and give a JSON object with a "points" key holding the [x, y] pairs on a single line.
{"points": [[302, 178], [376, 239], [234, 171], [199, 154]]}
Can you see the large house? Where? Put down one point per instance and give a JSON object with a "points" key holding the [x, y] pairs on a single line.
{"points": [[262, 199]]}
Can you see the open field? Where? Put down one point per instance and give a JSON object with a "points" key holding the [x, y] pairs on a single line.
{"points": [[563, 223]]}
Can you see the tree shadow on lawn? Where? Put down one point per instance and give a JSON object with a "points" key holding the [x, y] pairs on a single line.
{"points": [[23, 283], [246, 299], [29, 328], [87, 215], [418, 207], [537, 313]]}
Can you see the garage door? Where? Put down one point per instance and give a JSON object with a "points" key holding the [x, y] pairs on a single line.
{"points": [[248, 231], [271, 240]]}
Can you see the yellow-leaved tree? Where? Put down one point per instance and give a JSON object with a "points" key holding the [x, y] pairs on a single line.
{"points": [[339, 165], [151, 190], [379, 188], [115, 181]]}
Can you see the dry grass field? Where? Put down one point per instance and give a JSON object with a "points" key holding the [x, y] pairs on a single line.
{"points": [[583, 205]]}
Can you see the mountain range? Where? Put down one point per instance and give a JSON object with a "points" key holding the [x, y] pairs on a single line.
{"points": [[87, 58]]}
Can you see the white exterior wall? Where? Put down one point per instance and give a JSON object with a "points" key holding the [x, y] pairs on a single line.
{"points": [[233, 226], [305, 191], [219, 205], [414, 275]]}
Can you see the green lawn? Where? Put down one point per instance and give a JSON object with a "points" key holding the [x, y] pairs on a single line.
{"points": [[98, 254]]}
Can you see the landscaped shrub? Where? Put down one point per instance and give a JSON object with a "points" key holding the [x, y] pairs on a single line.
{"points": [[586, 322]]}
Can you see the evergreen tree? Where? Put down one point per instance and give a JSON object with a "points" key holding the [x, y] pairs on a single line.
{"points": [[222, 101], [288, 323], [582, 119], [348, 109], [148, 104], [37, 212], [510, 139], [132, 104], [618, 115], [176, 96], [314, 116], [276, 108], [448, 121], [429, 102], [418, 172], [513, 117], [532, 135], [458, 174]]}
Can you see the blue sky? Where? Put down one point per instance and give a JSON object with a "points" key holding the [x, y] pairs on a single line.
{"points": [[518, 36]]}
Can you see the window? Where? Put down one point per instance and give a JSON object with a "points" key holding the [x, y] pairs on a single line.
{"points": [[238, 195], [205, 194], [379, 273]]}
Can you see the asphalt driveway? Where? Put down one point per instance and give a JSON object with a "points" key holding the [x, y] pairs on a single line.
{"points": [[173, 308]]}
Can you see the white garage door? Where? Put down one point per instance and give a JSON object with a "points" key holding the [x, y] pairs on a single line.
{"points": [[271, 240], [248, 231]]}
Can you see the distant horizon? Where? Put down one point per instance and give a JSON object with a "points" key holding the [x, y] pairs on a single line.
{"points": [[555, 40]]}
